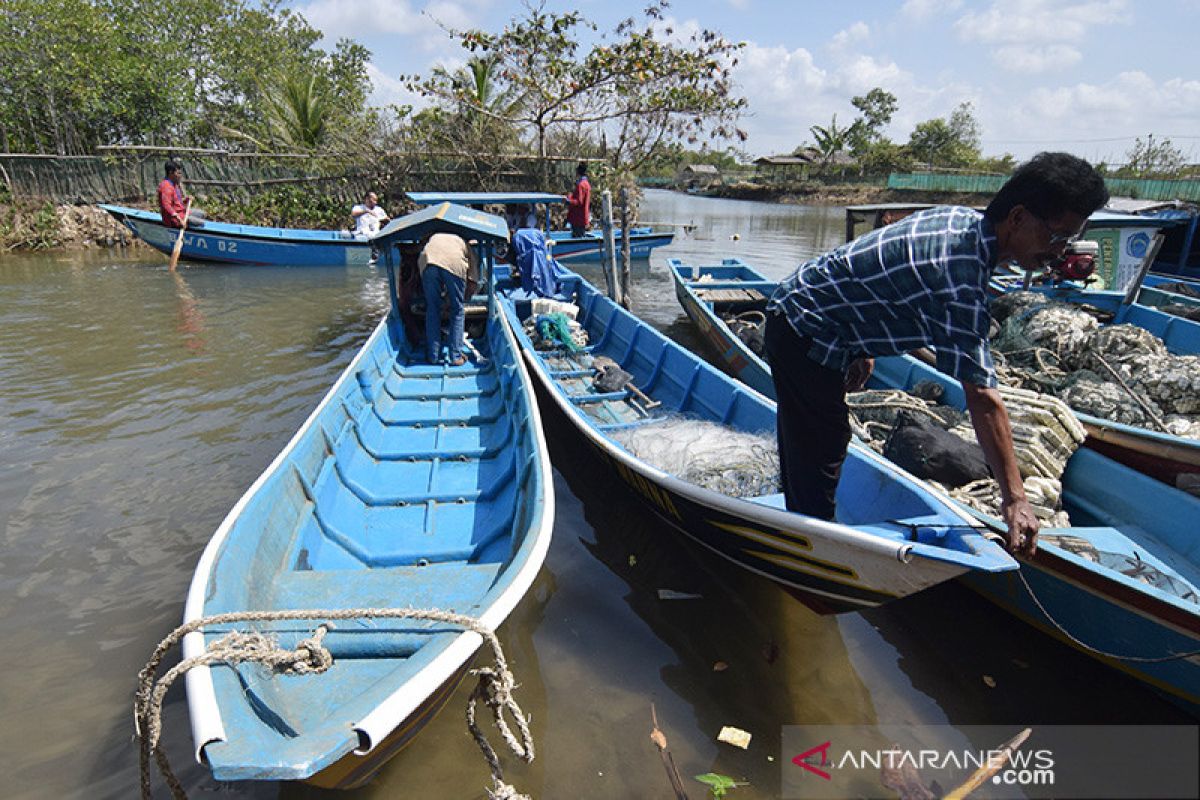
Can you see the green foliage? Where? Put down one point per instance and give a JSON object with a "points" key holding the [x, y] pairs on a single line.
{"points": [[75, 74], [830, 140], [1151, 159], [25, 227], [645, 89], [876, 107], [948, 143], [288, 206], [883, 157], [718, 785]]}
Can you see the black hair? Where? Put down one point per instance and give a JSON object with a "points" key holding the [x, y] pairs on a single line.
{"points": [[1049, 185], [171, 167], [581, 169]]}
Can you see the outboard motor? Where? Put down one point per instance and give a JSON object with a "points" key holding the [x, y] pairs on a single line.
{"points": [[1078, 262]]}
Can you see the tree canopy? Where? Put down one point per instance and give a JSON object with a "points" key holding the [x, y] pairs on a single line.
{"points": [[641, 85], [75, 74]]}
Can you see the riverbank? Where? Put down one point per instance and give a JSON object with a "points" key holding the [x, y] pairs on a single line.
{"points": [[812, 193], [43, 226]]}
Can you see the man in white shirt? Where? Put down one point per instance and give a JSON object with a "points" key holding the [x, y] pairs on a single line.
{"points": [[368, 217]]}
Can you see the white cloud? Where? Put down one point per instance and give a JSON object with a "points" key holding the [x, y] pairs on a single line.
{"points": [[924, 9], [857, 32], [1031, 36], [336, 18], [387, 90], [740, 5], [368, 18]]}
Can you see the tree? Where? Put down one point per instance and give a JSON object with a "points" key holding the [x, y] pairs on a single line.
{"points": [[1150, 159], [643, 90], [830, 140], [876, 107], [948, 143], [75, 74]]}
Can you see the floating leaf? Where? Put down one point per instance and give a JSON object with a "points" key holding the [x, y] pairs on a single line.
{"points": [[718, 784]]}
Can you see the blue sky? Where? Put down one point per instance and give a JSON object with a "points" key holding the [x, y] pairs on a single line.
{"points": [[1086, 76]]}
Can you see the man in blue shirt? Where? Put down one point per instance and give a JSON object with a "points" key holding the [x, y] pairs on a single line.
{"points": [[918, 282]]}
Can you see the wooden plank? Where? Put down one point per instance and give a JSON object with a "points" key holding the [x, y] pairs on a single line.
{"points": [[730, 295]]}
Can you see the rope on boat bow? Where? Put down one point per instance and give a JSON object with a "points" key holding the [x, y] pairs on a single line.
{"points": [[310, 656]]}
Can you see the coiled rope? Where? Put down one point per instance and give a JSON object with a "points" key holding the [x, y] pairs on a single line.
{"points": [[310, 656]]}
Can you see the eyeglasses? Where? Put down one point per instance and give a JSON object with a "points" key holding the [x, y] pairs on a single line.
{"points": [[1056, 239]]}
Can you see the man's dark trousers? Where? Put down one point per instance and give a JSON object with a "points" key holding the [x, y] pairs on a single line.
{"points": [[813, 423]]}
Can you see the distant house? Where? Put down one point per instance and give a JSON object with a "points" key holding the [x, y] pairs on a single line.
{"points": [[696, 176], [796, 166]]}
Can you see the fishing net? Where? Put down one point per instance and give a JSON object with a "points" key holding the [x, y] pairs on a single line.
{"points": [[1130, 565], [724, 460], [1045, 435], [1121, 373], [554, 331]]}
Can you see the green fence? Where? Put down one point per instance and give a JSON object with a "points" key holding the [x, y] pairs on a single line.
{"points": [[988, 184]]}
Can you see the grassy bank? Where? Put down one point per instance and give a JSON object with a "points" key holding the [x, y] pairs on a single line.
{"points": [[814, 193], [44, 226]]}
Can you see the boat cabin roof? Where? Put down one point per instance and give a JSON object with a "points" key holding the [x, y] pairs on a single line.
{"points": [[481, 198], [443, 218]]}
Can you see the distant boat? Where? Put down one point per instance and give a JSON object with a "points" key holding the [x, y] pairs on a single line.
{"points": [[568, 248], [706, 292], [226, 243], [410, 485], [894, 536]]}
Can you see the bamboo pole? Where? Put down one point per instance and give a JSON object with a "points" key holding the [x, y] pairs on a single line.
{"points": [[608, 255], [625, 249]]}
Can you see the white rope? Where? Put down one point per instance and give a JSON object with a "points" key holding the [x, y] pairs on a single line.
{"points": [[310, 656]]}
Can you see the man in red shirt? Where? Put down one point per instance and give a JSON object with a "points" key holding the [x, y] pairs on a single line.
{"points": [[172, 201], [579, 203]]}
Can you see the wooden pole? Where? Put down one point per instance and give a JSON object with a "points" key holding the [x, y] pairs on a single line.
{"points": [[608, 254], [179, 240], [625, 249]]}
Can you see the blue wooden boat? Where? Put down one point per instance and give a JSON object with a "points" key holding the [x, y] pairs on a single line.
{"points": [[410, 485], [894, 536], [1123, 583], [568, 248], [705, 292], [226, 243]]}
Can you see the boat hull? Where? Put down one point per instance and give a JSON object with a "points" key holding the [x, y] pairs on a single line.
{"points": [[247, 245], [411, 486], [839, 566], [587, 249]]}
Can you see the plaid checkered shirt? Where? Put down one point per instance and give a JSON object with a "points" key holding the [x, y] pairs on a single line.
{"points": [[918, 282]]}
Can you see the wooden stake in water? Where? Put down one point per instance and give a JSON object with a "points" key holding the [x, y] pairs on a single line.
{"points": [[625, 249], [608, 252]]}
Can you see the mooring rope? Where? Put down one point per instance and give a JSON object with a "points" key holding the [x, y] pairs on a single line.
{"points": [[311, 657], [1096, 650]]}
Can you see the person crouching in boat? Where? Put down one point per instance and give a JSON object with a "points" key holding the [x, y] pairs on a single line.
{"points": [[172, 202], [447, 262], [919, 282]]}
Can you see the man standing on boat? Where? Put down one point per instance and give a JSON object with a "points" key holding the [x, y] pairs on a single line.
{"points": [[447, 262], [172, 202], [579, 203], [919, 282]]}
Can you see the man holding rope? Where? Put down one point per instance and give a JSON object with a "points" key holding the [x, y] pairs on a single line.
{"points": [[919, 282]]}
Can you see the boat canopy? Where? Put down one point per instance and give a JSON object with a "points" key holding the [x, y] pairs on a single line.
{"points": [[444, 217], [480, 198]]}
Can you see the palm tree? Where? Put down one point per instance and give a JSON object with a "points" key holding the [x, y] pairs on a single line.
{"points": [[297, 114], [477, 87], [830, 140]]}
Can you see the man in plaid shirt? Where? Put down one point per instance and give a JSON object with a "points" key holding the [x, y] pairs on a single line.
{"points": [[915, 283]]}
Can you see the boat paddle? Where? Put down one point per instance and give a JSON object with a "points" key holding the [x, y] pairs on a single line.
{"points": [[179, 240]]}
